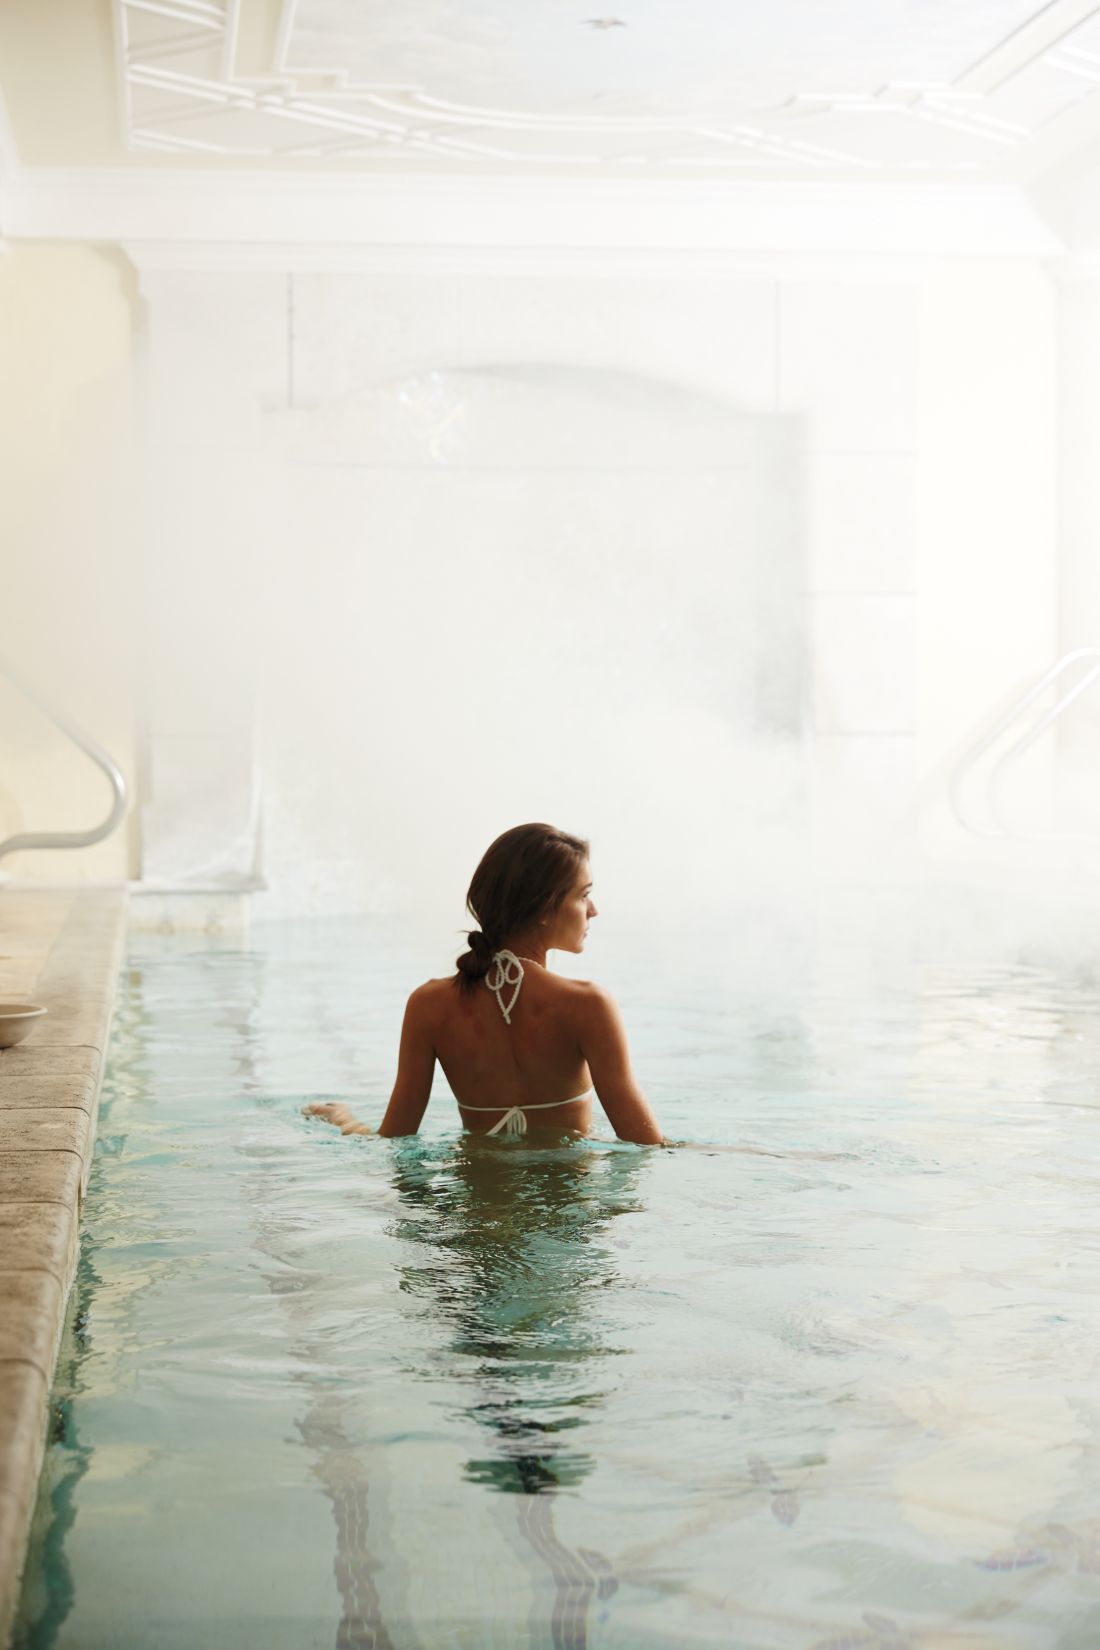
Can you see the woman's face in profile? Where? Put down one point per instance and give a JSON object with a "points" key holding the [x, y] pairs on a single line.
{"points": [[569, 924]]}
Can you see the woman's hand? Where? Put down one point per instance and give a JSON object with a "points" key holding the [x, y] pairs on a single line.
{"points": [[335, 1111]]}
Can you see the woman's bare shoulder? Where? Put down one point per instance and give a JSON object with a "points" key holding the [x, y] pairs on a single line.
{"points": [[585, 1000], [433, 991], [588, 991], [426, 1000], [562, 983]]}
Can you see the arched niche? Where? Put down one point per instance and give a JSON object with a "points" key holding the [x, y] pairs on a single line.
{"points": [[541, 590]]}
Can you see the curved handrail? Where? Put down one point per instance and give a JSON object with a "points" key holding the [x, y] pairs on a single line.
{"points": [[995, 781], [68, 839]]}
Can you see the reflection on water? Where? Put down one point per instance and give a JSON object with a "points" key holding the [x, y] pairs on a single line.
{"points": [[513, 1257], [340, 1471], [319, 1392]]}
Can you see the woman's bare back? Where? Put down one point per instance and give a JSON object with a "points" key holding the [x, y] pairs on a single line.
{"points": [[534, 1059]]}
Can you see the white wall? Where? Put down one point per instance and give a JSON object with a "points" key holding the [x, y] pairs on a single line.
{"points": [[987, 515], [847, 355], [1078, 417], [922, 400]]}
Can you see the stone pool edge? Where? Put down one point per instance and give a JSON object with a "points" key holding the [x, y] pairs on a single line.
{"points": [[62, 948]]}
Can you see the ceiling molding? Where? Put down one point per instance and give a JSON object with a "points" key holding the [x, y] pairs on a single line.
{"points": [[151, 258], [547, 213], [452, 88], [1027, 45]]}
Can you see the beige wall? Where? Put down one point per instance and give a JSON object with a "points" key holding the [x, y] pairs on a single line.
{"points": [[67, 328]]}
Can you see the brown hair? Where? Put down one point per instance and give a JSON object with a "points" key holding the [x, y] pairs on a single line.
{"points": [[525, 874]]}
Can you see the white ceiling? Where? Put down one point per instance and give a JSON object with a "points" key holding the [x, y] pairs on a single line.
{"points": [[874, 90]]}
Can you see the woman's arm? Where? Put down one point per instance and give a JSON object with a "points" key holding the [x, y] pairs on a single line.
{"points": [[415, 1065], [603, 1044], [412, 1087]]}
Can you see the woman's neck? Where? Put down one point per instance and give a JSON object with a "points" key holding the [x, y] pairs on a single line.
{"points": [[527, 950]]}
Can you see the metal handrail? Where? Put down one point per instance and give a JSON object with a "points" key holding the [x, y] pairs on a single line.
{"points": [[68, 839], [995, 779]]}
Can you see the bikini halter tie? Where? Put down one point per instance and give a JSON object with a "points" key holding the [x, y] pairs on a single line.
{"points": [[507, 969]]}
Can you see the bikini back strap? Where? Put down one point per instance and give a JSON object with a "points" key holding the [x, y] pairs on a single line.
{"points": [[507, 969]]}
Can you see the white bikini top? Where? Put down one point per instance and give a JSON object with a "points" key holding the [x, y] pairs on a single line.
{"points": [[507, 970]]}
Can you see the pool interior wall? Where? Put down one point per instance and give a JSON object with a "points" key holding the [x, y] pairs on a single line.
{"points": [[61, 948]]}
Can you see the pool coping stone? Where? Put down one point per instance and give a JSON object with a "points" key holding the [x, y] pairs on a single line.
{"points": [[62, 948]]}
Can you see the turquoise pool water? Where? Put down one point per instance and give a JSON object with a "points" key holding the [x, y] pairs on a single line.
{"points": [[446, 1391]]}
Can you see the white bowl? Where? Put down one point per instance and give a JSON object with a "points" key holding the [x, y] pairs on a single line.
{"points": [[17, 1021]]}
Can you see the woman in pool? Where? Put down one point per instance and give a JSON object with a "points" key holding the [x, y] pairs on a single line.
{"points": [[521, 1047]]}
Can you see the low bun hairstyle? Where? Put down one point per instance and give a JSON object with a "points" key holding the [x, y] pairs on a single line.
{"points": [[524, 875], [474, 964]]}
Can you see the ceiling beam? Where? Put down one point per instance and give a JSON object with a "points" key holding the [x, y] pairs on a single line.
{"points": [[251, 208]]}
